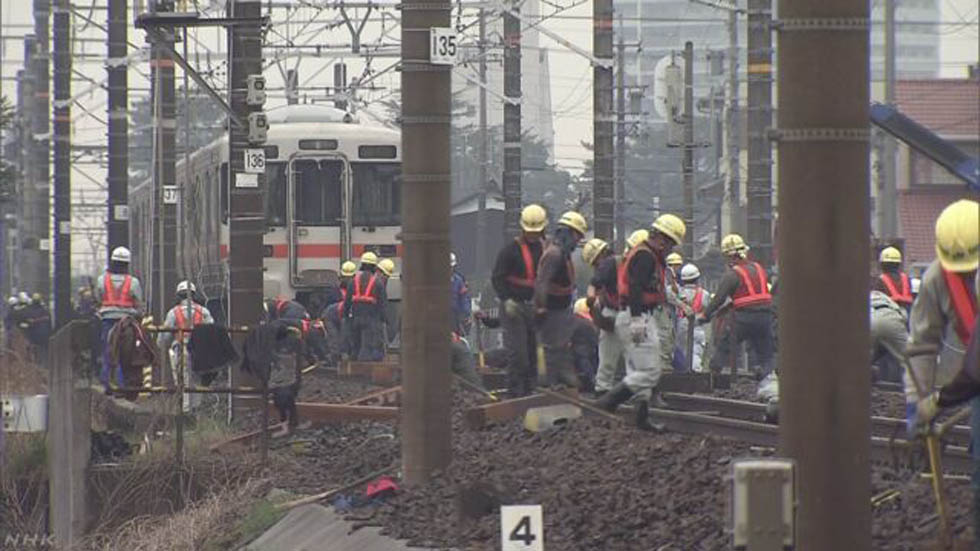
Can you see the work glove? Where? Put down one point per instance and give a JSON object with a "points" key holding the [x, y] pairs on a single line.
{"points": [[512, 307], [926, 410], [702, 319], [638, 329]]}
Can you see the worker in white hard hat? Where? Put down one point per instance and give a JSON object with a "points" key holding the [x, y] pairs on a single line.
{"points": [[554, 289], [892, 280], [513, 277], [119, 295], [697, 298], [365, 307], [185, 315], [459, 299]]}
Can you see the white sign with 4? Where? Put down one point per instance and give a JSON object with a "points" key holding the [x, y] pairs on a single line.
{"points": [[521, 528]]}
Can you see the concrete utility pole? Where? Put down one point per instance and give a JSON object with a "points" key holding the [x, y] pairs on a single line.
{"points": [[118, 132], [62, 163], [247, 200], [164, 169], [736, 217], [28, 253], [759, 187], [688, 166], [620, 139], [481, 212], [292, 86], [512, 122], [888, 194], [39, 216], [824, 245], [426, 163], [603, 196]]}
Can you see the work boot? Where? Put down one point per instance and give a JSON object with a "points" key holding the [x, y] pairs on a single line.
{"points": [[657, 399], [643, 418], [615, 397]]}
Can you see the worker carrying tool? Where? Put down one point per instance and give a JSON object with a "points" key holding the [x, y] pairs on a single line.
{"points": [[604, 305], [642, 289], [364, 307], [889, 334], [892, 280], [554, 287], [459, 299], [697, 298], [746, 285], [119, 295], [185, 315], [585, 345], [944, 315], [513, 278]]}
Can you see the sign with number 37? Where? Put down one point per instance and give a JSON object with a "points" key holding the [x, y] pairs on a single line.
{"points": [[521, 528]]}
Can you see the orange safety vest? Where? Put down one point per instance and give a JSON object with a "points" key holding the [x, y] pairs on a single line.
{"points": [[964, 305], [197, 319], [902, 297], [121, 300], [586, 315], [650, 298], [529, 272], [698, 304], [367, 296], [312, 324], [748, 294]]}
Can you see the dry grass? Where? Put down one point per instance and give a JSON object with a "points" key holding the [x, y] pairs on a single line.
{"points": [[189, 529], [23, 484]]}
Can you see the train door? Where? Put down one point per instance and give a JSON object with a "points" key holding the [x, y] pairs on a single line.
{"points": [[318, 206]]}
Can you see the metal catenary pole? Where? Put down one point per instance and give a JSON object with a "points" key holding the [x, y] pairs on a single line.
{"points": [[824, 245], [688, 161], [38, 213], [888, 207], [620, 140], [603, 119], [426, 124], [736, 220], [26, 193], [512, 122], [759, 186], [118, 128], [247, 212], [62, 163], [481, 213]]}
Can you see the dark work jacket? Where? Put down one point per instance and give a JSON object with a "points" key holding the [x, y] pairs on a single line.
{"points": [[604, 280], [510, 262], [379, 292], [728, 286], [644, 277], [966, 384], [554, 272], [210, 348]]}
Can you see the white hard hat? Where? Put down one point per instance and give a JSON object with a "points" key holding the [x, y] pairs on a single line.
{"points": [[690, 272], [452, 260], [12, 301], [186, 286], [24, 298], [915, 284], [120, 254]]}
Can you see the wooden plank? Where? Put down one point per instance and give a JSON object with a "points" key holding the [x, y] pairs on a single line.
{"points": [[486, 414], [494, 378], [685, 382], [379, 373], [385, 396], [330, 413]]}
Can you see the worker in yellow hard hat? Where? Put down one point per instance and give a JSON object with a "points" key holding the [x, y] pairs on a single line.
{"points": [[638, 236], [603, 302], [585, 345], [642, 288], [746, 286], [513, 277], [674, 262], [332, 315], [365, 307], [892, 280], [554, 288]]}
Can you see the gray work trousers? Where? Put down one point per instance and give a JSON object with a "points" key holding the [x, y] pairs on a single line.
{"points": [[754, 326], [517, 320], [611, 349], [888, 330], [556, 329], [367, 338]]}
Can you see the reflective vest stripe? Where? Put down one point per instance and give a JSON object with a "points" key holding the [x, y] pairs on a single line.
{"points": [[123, 299], [198, 319], [367, 296], [903, 297], [963, 304], [623, 278], [529, 272], [751, 296], [698, 304]]}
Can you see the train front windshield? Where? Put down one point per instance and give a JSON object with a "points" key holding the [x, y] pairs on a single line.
{"points": [[376, 193]]}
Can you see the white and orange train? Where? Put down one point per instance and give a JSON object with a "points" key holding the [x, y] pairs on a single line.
{"points": [[333, 192]]}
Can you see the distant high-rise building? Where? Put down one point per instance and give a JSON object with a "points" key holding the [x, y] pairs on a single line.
{"points": [[916, 39]]}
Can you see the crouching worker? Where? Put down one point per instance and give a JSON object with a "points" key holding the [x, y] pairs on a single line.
{"points": [[461, 362], [270, 353]]}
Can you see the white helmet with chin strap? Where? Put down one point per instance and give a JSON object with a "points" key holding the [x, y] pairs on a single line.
{"points": [[120, 254], [186, 287]]}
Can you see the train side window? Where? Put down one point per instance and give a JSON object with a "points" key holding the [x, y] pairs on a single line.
{"points": [[317, 191], [377, 194], [223, 171], [275, 198]]}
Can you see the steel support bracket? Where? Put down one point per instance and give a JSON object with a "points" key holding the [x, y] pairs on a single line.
{"points": [[822, 24], [819, 134]]}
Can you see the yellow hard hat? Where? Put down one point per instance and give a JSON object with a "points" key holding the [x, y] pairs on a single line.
{"points": [[387, 266], [675, 259], [890, 255], [637, 237], [733, 244], [369, 258], [958, 236], [575, 221], [348, 269], [534, 218], [671, 226], [581, 307], [592, 249]]}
